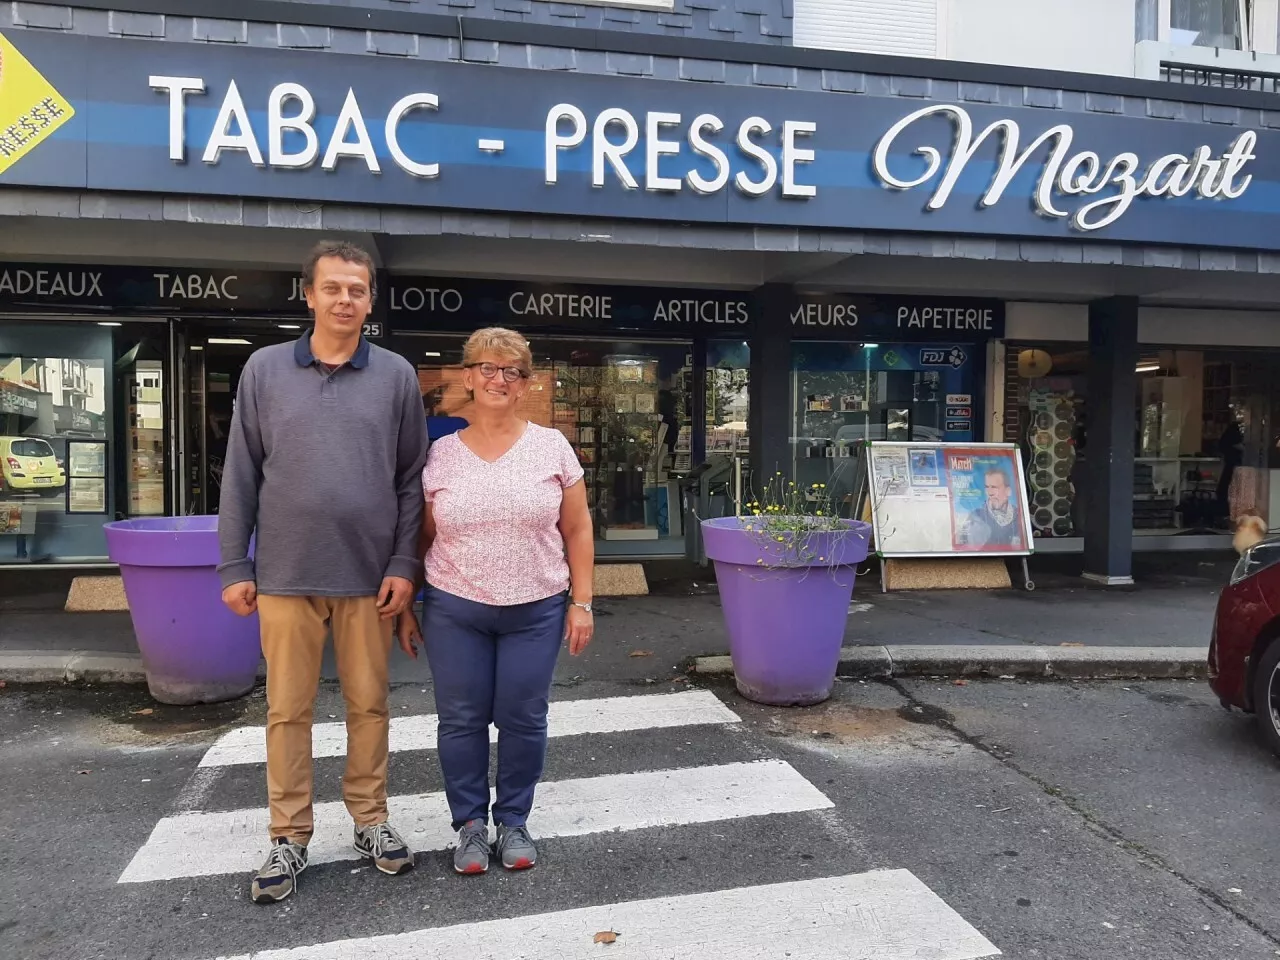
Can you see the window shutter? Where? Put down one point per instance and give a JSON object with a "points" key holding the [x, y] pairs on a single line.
{"points": [[903, 28]]}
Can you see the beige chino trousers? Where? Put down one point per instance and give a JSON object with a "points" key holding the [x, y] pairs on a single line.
{"points": [[293, 637]]}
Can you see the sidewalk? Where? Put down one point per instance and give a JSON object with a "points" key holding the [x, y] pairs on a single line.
{"points": [[652, 639]]}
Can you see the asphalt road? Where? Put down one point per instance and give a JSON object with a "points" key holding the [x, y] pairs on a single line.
{"points": [[1069, 820]]}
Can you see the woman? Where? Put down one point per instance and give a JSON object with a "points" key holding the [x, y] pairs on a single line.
{"points": [[505, 504]]}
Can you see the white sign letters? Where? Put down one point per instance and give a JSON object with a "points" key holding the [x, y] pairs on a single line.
{"points": [[669, 152], [1080, 174], [615, 133]]}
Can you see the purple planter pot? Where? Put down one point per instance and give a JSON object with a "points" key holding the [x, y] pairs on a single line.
{"points": [[194, 649], [785, 606]]}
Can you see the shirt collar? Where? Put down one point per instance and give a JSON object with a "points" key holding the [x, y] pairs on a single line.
{"points": [[305, 358]]}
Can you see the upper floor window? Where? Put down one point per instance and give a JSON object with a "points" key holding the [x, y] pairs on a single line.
{"points": [[1209, 23]]}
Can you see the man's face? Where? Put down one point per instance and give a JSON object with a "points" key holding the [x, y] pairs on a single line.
{"points": [[997, 491], [340, 297]]}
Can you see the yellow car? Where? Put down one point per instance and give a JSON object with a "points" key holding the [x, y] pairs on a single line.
{"points": [[29, 465]]}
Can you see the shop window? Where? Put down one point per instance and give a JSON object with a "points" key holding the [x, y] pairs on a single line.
{"points": [[624, 406], [1204, 445], [54, 392], [1044, 413], [728, 411], [845, 393]]}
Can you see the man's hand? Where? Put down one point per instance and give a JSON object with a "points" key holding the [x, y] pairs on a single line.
{"points": [[394, 597], [241, 598], [409, 634]]}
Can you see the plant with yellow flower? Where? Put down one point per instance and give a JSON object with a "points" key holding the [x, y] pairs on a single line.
{"points": [[788, 522]]}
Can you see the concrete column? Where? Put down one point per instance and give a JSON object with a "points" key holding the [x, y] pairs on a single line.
{"points": [[770, 417], [1109, 441]]}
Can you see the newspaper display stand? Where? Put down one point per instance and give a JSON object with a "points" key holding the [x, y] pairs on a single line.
{"points": [[938, 500]]}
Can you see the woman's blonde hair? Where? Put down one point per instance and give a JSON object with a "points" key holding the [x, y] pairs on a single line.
{"points": [[501, 342]]}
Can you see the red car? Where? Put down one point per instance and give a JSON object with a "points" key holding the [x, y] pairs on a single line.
{"points": [[1244, 655]]}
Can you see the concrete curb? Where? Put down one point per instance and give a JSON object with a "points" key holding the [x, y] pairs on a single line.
{"points": [[35, 667], [1007, 660]]}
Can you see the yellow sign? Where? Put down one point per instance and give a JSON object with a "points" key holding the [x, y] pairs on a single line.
{"points": [[30, 107]]}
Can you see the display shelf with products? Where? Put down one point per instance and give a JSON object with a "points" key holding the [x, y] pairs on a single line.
{"points": [[1051, 435]]}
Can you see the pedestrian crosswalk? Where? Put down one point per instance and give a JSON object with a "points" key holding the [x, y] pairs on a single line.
{"points": [[203, 844], [566, 718], [881, 914]]}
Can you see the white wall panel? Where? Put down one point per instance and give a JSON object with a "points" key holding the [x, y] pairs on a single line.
{"points": [[903, 28], [1083, 36]]}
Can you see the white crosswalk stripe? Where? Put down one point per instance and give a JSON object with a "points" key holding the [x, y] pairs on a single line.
{"points": [[883, 915], [204, 844], [880, 915], [566, 718]]}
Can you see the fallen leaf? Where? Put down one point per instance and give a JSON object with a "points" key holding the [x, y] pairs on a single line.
{"points": [[605, 936], [640, 653], [1071, 644], [3, 684], [679, 679], [82, 772], [960, 683], [144, 712]]}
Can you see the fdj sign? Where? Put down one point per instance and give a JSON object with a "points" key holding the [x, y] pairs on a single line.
{"points": [[943, 357]]}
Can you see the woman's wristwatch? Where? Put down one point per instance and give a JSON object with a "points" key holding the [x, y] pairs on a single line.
{"points": [[584, 606]]}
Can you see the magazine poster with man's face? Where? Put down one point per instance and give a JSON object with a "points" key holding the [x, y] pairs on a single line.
{"points": [[986, 501]]}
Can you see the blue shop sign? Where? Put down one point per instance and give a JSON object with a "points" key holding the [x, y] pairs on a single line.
{"points": [[442, 303], [928, 319], [134, 115]]}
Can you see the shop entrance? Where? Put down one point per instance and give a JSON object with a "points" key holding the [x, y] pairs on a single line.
{"points": [[216, 354], [624, 405]]}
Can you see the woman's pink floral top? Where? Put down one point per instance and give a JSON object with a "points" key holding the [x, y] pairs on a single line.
{"points": [[498, 539]]}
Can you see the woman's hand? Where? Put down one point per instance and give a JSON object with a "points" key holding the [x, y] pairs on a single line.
{"points": [[408, 632], [578, 628]]}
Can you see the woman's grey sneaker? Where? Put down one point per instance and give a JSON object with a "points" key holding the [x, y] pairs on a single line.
{"points": [[381, 844], [278, 876], [516, 848], [472, 855]]}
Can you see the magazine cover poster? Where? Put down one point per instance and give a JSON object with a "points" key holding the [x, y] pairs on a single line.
{"points": [[986, 501]]}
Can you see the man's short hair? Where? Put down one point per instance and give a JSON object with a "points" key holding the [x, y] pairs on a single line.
{"points": [[997, 472], [344, 251]]}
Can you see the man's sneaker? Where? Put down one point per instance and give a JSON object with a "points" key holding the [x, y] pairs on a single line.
{"points": [[516, 848], [472, 855], [381, 844], [278, 876]]}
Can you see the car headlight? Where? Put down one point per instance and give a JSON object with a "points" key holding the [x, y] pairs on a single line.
{"points": [[1256, 559]]}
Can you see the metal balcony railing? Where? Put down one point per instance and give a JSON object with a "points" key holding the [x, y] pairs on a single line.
{"points": [[1227, 78]]}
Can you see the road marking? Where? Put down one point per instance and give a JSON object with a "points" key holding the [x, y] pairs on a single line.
{"points": [[886, 915], [566, 718], [235, 841]]}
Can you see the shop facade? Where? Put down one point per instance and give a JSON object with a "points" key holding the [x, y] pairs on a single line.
{"points": [[727, 267], [646, 383]]}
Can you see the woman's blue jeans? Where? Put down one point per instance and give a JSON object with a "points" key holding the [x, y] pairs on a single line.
{"points": [[492, 665]]}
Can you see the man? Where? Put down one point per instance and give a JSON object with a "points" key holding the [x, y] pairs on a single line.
{"points": [[995, 523], [324, 461]]}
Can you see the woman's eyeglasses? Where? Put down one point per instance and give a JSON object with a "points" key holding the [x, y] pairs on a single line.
{"points": [[490, 370]]}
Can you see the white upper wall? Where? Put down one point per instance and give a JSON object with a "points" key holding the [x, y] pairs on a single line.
{"points": [[895, 28], [1084, 36], [1124, 38]]}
